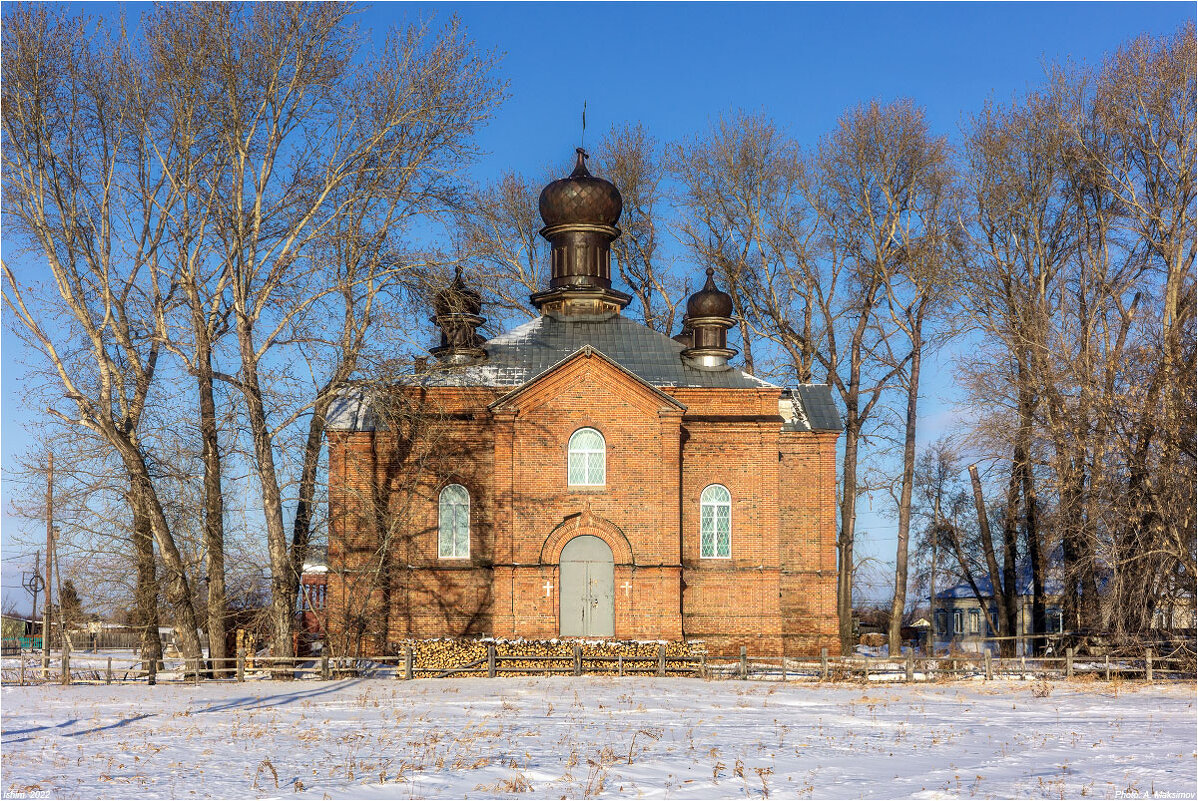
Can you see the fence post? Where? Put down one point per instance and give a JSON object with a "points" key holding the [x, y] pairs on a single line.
{"points": [[865, 663], [409, 669], [195, 673], [22, 654], [491, 661], [577, 659], [910, 666], [620, 663], [241, 664], [1107, 665], [324, 667], [744, 662], [107, 671], [703, 665], [152, 672], [1148, 664], [1069, 662], [66, 667], [989, 670], [823, 663], [661, 659], [1022, 668]]}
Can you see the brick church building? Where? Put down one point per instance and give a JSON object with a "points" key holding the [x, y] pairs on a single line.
{"points": [[583, 475]]}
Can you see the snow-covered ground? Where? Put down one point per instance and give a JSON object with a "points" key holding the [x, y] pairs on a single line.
{"points": [[598, 737]]}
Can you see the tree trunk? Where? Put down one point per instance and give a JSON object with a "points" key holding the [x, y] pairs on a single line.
{"points": [[178, 589], [844, 543], [283, 580], [904, 511], [1031, 532], [146, 593], [214, 505], [996, 588], [1010, 556]]}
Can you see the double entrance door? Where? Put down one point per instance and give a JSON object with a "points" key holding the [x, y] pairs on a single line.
{"points": [[588, 588]]}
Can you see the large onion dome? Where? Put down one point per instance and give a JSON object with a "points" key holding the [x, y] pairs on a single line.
{"points": [[709, 301], [581, 198]]}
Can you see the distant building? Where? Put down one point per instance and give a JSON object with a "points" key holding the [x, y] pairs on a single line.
{"points": [[14, 627], [313, 595], [962, 622]]}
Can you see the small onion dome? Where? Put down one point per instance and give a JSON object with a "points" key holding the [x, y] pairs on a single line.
{"points": [[709, 301], [457, 298], [581, 198]]}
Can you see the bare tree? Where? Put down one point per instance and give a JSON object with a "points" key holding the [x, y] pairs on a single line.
{"points": [[72, 196], [498, 234], [307, 140], [871, 173], [632, 160]]}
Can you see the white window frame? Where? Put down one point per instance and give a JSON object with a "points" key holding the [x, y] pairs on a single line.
{"points": [[447, 539], [958, 622], [975, 621], [715, 505], [574, 452]]}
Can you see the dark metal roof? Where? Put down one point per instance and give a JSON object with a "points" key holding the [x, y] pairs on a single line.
{"points": [[527, 351], [530, 349], [815, 409]]}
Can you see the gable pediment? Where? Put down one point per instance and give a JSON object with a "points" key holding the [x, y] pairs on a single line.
{"points": [[586, 366]]}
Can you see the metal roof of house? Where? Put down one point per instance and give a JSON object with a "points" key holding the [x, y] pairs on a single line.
{"points": [[524, 353]]}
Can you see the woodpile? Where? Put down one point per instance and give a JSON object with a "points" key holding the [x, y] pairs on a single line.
{"points": [[470, 657]]}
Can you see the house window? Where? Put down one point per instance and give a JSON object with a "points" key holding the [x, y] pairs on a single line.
{"points": [[1052, 620], [587, 461], [958, 623], [975, 621], [941, 622], [453, 520], [715, 523]]}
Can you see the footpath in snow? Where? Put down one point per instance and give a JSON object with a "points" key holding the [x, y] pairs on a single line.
{"points": [[598, 737]]}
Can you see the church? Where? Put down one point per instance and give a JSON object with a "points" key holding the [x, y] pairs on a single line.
{"points": [[583, 475]]}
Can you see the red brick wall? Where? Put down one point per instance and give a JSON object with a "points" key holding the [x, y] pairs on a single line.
{"points": [[807, 493], [774, 594]]}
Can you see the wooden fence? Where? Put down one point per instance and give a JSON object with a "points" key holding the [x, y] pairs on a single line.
{"points": [[583, 661]]}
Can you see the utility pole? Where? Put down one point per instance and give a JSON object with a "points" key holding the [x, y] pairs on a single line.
{"points": [[49, 565], [34, 584]]}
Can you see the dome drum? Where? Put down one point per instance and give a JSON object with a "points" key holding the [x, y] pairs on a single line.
{"points": [[581, 257]]}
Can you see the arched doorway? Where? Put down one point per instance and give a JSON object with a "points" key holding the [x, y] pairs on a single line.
{"points": [[588, 588]]}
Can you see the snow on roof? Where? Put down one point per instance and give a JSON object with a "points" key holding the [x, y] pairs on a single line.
{"points": [[518, 356]]}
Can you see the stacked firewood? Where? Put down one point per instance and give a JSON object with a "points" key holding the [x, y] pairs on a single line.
{"points": [[469, 657]]}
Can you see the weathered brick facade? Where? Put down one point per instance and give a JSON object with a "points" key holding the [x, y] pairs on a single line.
{"points": [[488, 429], [663, 447]]}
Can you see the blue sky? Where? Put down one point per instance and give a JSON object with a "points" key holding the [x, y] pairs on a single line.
{"points": [[675, 66]]}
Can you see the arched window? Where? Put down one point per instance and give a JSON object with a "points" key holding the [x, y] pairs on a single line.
{"points": [[715, 523], [587, 461], [453, 520]]}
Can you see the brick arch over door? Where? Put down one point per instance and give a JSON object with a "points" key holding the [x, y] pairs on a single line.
{"points": [[586, 523]]}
